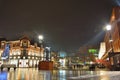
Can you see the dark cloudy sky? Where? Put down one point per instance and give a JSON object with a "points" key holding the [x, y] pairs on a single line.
{"points": [[65, 24]]}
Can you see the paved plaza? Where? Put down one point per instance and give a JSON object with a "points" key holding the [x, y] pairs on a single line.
{"points": [[35, 74]]}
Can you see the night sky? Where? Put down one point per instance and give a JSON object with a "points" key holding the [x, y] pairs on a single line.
{"points": [[65, 24]]}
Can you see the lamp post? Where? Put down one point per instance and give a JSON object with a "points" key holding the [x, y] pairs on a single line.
{"points": [[108, 28], [43, 63], [40, 37]]}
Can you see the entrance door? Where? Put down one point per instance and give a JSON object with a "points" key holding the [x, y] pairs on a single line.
{"points": [[23, 63], [14, 62]]}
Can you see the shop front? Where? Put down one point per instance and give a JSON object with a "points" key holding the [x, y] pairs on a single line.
{"points": [[115, 60]]}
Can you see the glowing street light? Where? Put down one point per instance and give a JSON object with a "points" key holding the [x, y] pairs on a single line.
{"points": [[108, 27], [40, 37]]}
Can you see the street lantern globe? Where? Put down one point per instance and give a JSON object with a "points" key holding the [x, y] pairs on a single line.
{"points": [[40, 37], [108, 27]]}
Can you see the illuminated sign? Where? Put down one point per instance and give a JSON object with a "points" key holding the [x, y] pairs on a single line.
{"points": [[62, 54], [92, 50], [102, 50], [5, 54]]}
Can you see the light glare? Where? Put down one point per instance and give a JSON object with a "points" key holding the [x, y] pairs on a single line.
{"points": [[108, 27], [40, 37]]}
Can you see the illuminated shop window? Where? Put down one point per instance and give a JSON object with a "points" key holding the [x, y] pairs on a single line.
{"points": [[14, 53], [37, 54], [62, 62], [23, 57], [29, 57], [32, 57], [18, 57], [29, 53], [18, 53]]}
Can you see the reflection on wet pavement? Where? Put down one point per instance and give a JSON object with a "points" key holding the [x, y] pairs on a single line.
{"points": [[3, 75], [35, 74]]}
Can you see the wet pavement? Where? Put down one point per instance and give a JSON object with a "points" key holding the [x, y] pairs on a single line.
{"points": [[35, 74]]}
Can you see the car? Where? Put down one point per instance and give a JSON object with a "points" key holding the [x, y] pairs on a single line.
{"points": [[100, 66], [92, 67]]}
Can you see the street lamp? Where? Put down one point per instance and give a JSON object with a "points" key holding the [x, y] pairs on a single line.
{"points": [[40, 37], [108, 28]]}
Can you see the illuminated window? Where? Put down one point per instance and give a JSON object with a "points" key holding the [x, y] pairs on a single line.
{"points": [[18, 57], [14, 53], [18, 53], [29, 57], [23, 57], [14, 57]]}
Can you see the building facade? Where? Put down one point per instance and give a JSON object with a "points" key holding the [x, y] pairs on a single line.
{"points": [[22, 53], [113, 47]]}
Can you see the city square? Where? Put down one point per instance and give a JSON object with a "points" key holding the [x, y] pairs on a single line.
{"points": [[60, 40]]}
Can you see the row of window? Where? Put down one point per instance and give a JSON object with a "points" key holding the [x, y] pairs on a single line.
{"points": [[23, 57]]}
